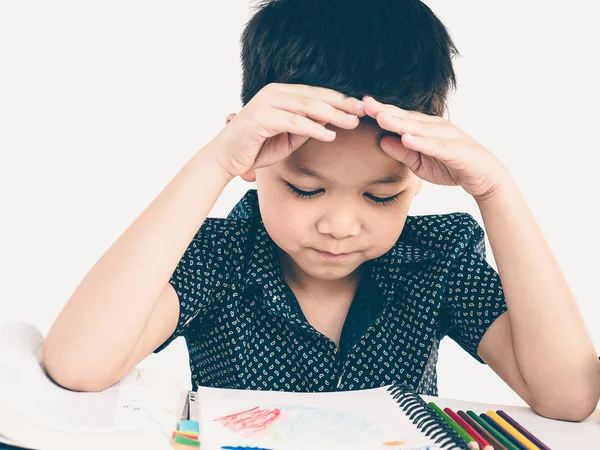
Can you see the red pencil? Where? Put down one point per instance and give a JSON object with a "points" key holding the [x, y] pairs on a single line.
{"points": [[483, 444], [482, 431]]}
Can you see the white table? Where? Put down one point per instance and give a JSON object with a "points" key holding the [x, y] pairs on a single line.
{"points": [[556, 434]]}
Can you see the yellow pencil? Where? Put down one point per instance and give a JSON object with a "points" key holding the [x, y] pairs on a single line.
{"points": [[512, 430]]}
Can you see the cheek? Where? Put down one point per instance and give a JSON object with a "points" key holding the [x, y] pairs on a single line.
{"points": [[282, 218], [386, 226], [386, 232], [279, 222]]}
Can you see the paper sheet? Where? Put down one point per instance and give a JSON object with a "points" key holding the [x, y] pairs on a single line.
{"points": [[143, 400], [282, 420]]}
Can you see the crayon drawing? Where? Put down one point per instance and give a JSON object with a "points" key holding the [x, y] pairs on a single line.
{"points": [[252, 423], [302, 426]]}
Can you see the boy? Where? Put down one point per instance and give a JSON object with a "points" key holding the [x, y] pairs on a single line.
{"points": [[318, 280]]}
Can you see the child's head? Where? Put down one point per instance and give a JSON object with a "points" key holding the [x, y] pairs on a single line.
{"points": [[394, 50], [397, 51]]}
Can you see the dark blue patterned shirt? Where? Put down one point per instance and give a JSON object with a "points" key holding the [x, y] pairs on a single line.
{"points": [[245, 329]]}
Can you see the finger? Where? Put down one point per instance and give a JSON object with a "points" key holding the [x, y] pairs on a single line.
{"points": [[416, 127], [315, 109], [335, 98], [287, 122], [429, 145], [373, 107], [439, 149], [394, 147]]}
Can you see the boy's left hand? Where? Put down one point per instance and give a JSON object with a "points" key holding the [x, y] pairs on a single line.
{"points": [[436, 150]]}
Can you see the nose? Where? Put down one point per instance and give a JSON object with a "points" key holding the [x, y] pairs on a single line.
{"points": [[340, 220]]}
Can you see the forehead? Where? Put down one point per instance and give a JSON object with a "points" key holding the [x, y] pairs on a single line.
{"points": [[353, 157]]}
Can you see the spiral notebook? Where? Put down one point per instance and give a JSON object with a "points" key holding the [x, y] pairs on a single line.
{"points": [[391, 417]]}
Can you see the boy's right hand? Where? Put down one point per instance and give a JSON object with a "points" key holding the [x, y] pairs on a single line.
{"points": [[278, 120]]}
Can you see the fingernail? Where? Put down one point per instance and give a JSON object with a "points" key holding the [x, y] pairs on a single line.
{"points": [[360, 105]]}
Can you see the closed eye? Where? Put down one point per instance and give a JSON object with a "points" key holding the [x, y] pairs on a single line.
{"points": [[378, 200]]}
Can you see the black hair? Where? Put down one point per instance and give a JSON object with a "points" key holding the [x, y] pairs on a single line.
{"points": [[397, 51]]}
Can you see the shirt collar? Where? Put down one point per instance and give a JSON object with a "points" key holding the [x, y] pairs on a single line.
{"points": [[263, 269]]}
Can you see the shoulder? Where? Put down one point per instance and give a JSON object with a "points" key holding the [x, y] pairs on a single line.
{"points": [[236, 229], [220, 230], [447, 233]]}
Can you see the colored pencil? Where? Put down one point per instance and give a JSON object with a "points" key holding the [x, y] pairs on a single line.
{"points": [[502, 431], [485, 433], [523, 431], [512, 430], [471, 443], [499, 436], [483, 444]]}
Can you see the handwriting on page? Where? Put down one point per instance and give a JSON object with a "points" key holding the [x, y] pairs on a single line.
{"points": [[128, 405]]}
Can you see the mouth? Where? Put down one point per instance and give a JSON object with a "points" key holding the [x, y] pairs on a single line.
{"points": [[332, 256]]}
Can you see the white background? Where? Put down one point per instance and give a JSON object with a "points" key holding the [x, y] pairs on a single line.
{"points": [[101, 104]]}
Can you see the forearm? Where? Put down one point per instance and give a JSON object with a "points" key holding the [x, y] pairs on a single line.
{"points": [[110, 308], [551, 344]]}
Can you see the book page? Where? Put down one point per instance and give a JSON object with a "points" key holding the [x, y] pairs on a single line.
{"points": [[362, 419], [144, 400], [20, 346], [5, 440]]}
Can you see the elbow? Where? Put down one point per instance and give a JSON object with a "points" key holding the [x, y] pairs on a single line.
{"points": [[572, 397], [66, 373], [573, 405]]}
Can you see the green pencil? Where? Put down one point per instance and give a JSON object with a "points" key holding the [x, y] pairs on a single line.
{"points": [[486, 426], [471, 443]]}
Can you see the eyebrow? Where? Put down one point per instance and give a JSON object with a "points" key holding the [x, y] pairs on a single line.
{"points": [[299, 168]]}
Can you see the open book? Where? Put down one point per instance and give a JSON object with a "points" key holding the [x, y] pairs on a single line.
{"points": [[143, 409], [140, 411]]}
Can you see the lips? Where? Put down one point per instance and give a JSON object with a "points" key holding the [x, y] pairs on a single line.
{"points": [[328, 256], [330, 253]]}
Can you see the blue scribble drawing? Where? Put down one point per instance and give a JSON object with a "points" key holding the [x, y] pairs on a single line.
{"points": [[226, 447], [326, 425]]}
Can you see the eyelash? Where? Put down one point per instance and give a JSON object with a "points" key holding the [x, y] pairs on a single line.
{"points": [[379, 201]]}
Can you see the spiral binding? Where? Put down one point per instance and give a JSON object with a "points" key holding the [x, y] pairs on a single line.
{"points": [[426, 419]]}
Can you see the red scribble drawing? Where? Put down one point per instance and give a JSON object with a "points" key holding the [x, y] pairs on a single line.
{"points": [[253, 422]]}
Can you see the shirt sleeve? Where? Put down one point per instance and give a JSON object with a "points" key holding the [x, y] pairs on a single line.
{"points": [[474, 296], [202, 268]]}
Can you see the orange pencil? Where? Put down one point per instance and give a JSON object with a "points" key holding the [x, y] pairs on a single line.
{"points": [[483, 444]]}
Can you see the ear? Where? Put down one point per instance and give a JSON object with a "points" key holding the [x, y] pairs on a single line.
{"points": [[229, 117], [249, 176], [419, 186]]}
